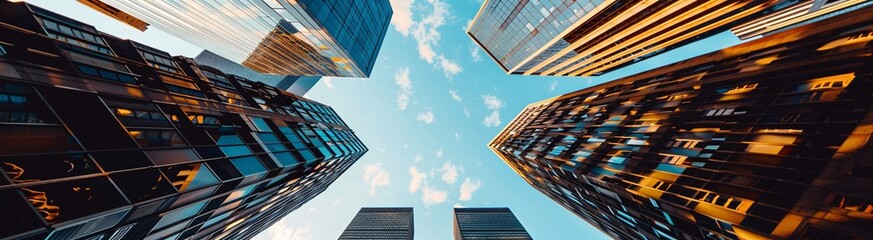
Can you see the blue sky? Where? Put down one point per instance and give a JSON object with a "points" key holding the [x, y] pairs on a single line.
{"points": [[427, 112]]}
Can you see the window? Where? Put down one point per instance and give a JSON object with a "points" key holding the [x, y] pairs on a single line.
{"points": [[673, 159], [744, 88], [22, 169], [2, 51], [142, 185], [61, 201], [854, 204], [190, 176], [218, 80], [17, 208], [248, 165], [161, 62], [721, 112], [74, 36]]}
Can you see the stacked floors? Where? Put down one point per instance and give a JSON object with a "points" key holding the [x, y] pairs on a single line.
{"points": [[767, 139], [106, 138]]}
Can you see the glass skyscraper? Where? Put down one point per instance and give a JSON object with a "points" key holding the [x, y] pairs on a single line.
{"points": [[338, 38], [592, 37], [804, 12], [107, 138], [770, 139], [487, 223], [381, 223]]}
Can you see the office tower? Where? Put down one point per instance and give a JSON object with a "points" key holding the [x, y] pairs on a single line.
{"points": [[106, 138], [487, 223], [769, 139], [298, 85], [805, 12], [381, 223], [338, 38], [592, 37]]}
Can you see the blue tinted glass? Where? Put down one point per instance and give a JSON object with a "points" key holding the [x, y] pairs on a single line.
{"points": [[236, 151], [261, 124], [248, 165], [203, 178], [286, 159], [229, 139], [178, 215], [268, 137]]}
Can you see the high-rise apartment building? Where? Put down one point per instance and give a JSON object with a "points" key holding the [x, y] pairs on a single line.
{"points": [[338, 38], [381, 223], [107, 138], [487, 223], [804, 12], [770, 139], [591, 37]]}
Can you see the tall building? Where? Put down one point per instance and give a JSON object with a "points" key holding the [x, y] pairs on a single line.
{"points": [[381, 223], [107, 138], [487, 223], [770, 139], [338, 38], [592, 37], [804, 12]]}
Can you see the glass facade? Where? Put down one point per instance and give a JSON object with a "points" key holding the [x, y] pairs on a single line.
{"points": [[487, 223], [338, 38], [591, 37], [107, 138], [770, 139], [802, 13], [381, 223]]}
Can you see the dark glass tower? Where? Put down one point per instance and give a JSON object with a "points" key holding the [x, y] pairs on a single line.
{"points": [[770, 139], [381, 223], [487, 223], [107, 138]]}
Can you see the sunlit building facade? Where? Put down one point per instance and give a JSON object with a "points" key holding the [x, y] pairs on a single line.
{"points": [[107, 138], [487, 223], [592, 37], [381, 223], [770, 139], [804, 12], [338, 38]]}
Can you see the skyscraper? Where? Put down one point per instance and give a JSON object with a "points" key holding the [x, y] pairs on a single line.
{"points": [[338, 38], [487, 223], [804, 12], [381, 223], [107, 138], [770, 139], [591, 37]]}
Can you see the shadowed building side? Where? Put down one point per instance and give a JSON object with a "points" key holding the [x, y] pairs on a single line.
{"points": [[770, 139]]}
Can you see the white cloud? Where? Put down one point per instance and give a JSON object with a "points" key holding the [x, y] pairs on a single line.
{"points": [[455, 96], [468, 188], [449, 67], [492, 102], [281, 231], [450, 173], [439, 153], [426, 117], [553, 86], [430, 196], [418, 158], [402, 18], [457, 137], [426, 31], [336, 201], [458, 205], [492, 120], [474, 54], [466, 112], [417, 178], [376, 177], [312, 209], [401, 78]]}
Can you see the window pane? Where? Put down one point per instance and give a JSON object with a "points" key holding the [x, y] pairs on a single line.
{"points": [[16, 207], [142, 185], [62, 201], [172, 156], [190, 176], [248, 165], [38, 168]]}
